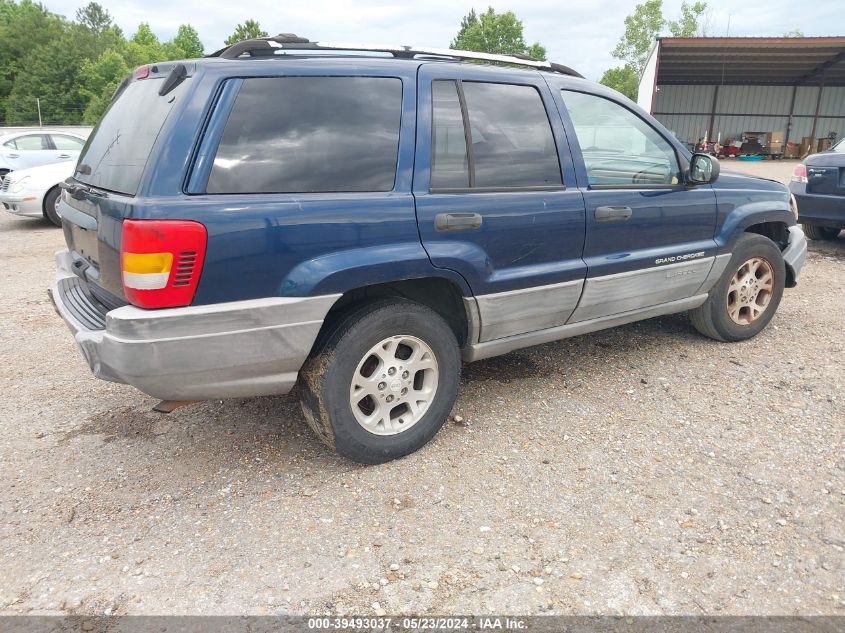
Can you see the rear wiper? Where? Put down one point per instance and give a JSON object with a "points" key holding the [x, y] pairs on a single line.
{"points": [[176, 76], [78, 191]]}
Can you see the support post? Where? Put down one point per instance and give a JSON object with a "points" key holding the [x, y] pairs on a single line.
{"points": [[710, 131], [816, 115], [791, 113]]}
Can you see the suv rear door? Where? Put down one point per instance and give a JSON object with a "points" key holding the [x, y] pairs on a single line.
{"points": [[490, 180], [109, 173]]}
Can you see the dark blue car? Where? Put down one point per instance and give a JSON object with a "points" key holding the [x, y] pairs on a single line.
{"points": [[359, 222], [818, 185]]}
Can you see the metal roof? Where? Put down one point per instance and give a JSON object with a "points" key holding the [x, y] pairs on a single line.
{"points": [[751, 60]]}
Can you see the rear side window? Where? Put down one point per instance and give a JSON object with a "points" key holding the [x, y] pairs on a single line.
{"points": [[449, 164], [32, 142], [511, 140], [310, 134], [117, 151]]}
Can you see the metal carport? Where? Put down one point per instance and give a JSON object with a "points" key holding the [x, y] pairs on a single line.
{"points": [[723, 86]]}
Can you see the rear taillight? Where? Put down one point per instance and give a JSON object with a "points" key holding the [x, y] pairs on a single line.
{"points": [[161, 261], [799, 174]]}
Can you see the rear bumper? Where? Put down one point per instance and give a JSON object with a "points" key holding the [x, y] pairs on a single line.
{"points": [[795, 253], [225, 350], [820, 209]]}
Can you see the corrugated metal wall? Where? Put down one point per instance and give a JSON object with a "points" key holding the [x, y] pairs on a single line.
{"points": [[686, 110]]}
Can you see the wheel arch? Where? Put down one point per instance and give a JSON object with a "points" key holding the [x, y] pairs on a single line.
{"points": [[443, 295]]}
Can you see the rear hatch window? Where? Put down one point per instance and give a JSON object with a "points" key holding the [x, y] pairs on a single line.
{"points": [[116, 154], [112, 163]]}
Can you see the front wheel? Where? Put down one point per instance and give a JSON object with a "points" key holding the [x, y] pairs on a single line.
{"points": [[745, 299], [815, 232], [51, 206], [383, 381]]}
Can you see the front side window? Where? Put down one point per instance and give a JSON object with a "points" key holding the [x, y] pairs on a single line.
{"points": [[619, 148], [511, 141], [69, 143], [310, 134]]}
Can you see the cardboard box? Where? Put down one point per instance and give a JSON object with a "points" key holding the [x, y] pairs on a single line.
{"points": [[776, 137], [792, 150]]}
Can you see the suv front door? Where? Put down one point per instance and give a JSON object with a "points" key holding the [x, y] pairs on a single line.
{"points": [[649, 237], [490, 179]]}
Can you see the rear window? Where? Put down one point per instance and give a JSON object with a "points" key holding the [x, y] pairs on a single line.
{"points": [[117, 151], [310, 134]]}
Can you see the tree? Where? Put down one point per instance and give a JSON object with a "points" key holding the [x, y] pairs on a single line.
{"points": [[692, 22], [99, 79], [188, 40], [624, 79], [794, 33], [641, 29], [94, 17], [249, 30], [23, 27], [54, 80], [493, 32]]}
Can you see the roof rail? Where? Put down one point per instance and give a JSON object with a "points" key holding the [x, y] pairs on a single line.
{"points": [[268, 46]]}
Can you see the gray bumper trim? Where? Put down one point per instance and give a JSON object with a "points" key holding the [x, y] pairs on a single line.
{"points": [[795, 253], [225, 350]]}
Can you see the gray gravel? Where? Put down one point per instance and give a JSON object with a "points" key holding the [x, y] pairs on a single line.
{"points": [[639, 470]]}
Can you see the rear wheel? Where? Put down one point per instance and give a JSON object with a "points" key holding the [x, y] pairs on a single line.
{"points": [[816, 232], [51, 206], [745, 299], [383, 381]]}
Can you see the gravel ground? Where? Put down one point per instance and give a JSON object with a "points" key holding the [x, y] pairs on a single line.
{"points": [[639, 470]]}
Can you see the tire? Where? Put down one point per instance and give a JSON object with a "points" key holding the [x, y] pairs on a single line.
{"points": [[51, 198], [739, 307], [816, 232], [373, 339]]}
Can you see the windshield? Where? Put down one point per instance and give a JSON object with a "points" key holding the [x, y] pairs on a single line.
{"points": [[839, 148], [116, 153]]}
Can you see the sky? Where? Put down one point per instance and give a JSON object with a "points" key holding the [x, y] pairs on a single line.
{"points": [[579, 34]]}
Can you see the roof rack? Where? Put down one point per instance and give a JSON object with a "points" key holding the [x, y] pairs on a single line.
{"points": [[269, 46]]}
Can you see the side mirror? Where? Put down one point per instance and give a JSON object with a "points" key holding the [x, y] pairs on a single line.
{"points": [[703, 169]]}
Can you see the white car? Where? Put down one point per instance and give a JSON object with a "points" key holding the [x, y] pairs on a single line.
{"points": [[38, 147], [35, 192]]}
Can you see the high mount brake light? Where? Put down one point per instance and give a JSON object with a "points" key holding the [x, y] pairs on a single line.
{"points": [[142, 72], [161, 261], [799, 174]]}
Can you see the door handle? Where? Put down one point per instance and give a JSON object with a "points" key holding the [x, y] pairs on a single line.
{"points": [[64, 155], [612, 214], [13, 155], [457, 221]]}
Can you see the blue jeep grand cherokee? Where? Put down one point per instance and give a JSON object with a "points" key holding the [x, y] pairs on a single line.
{"points": [[357, 222]]}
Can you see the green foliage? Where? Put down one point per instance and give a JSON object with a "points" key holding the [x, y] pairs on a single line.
{"points": [[692, 21], [624, 79], [99, 80], [73, 68], [249, 30], [794, 33], [24, 27], [641, 29], [493, 32], [188, 41]]}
